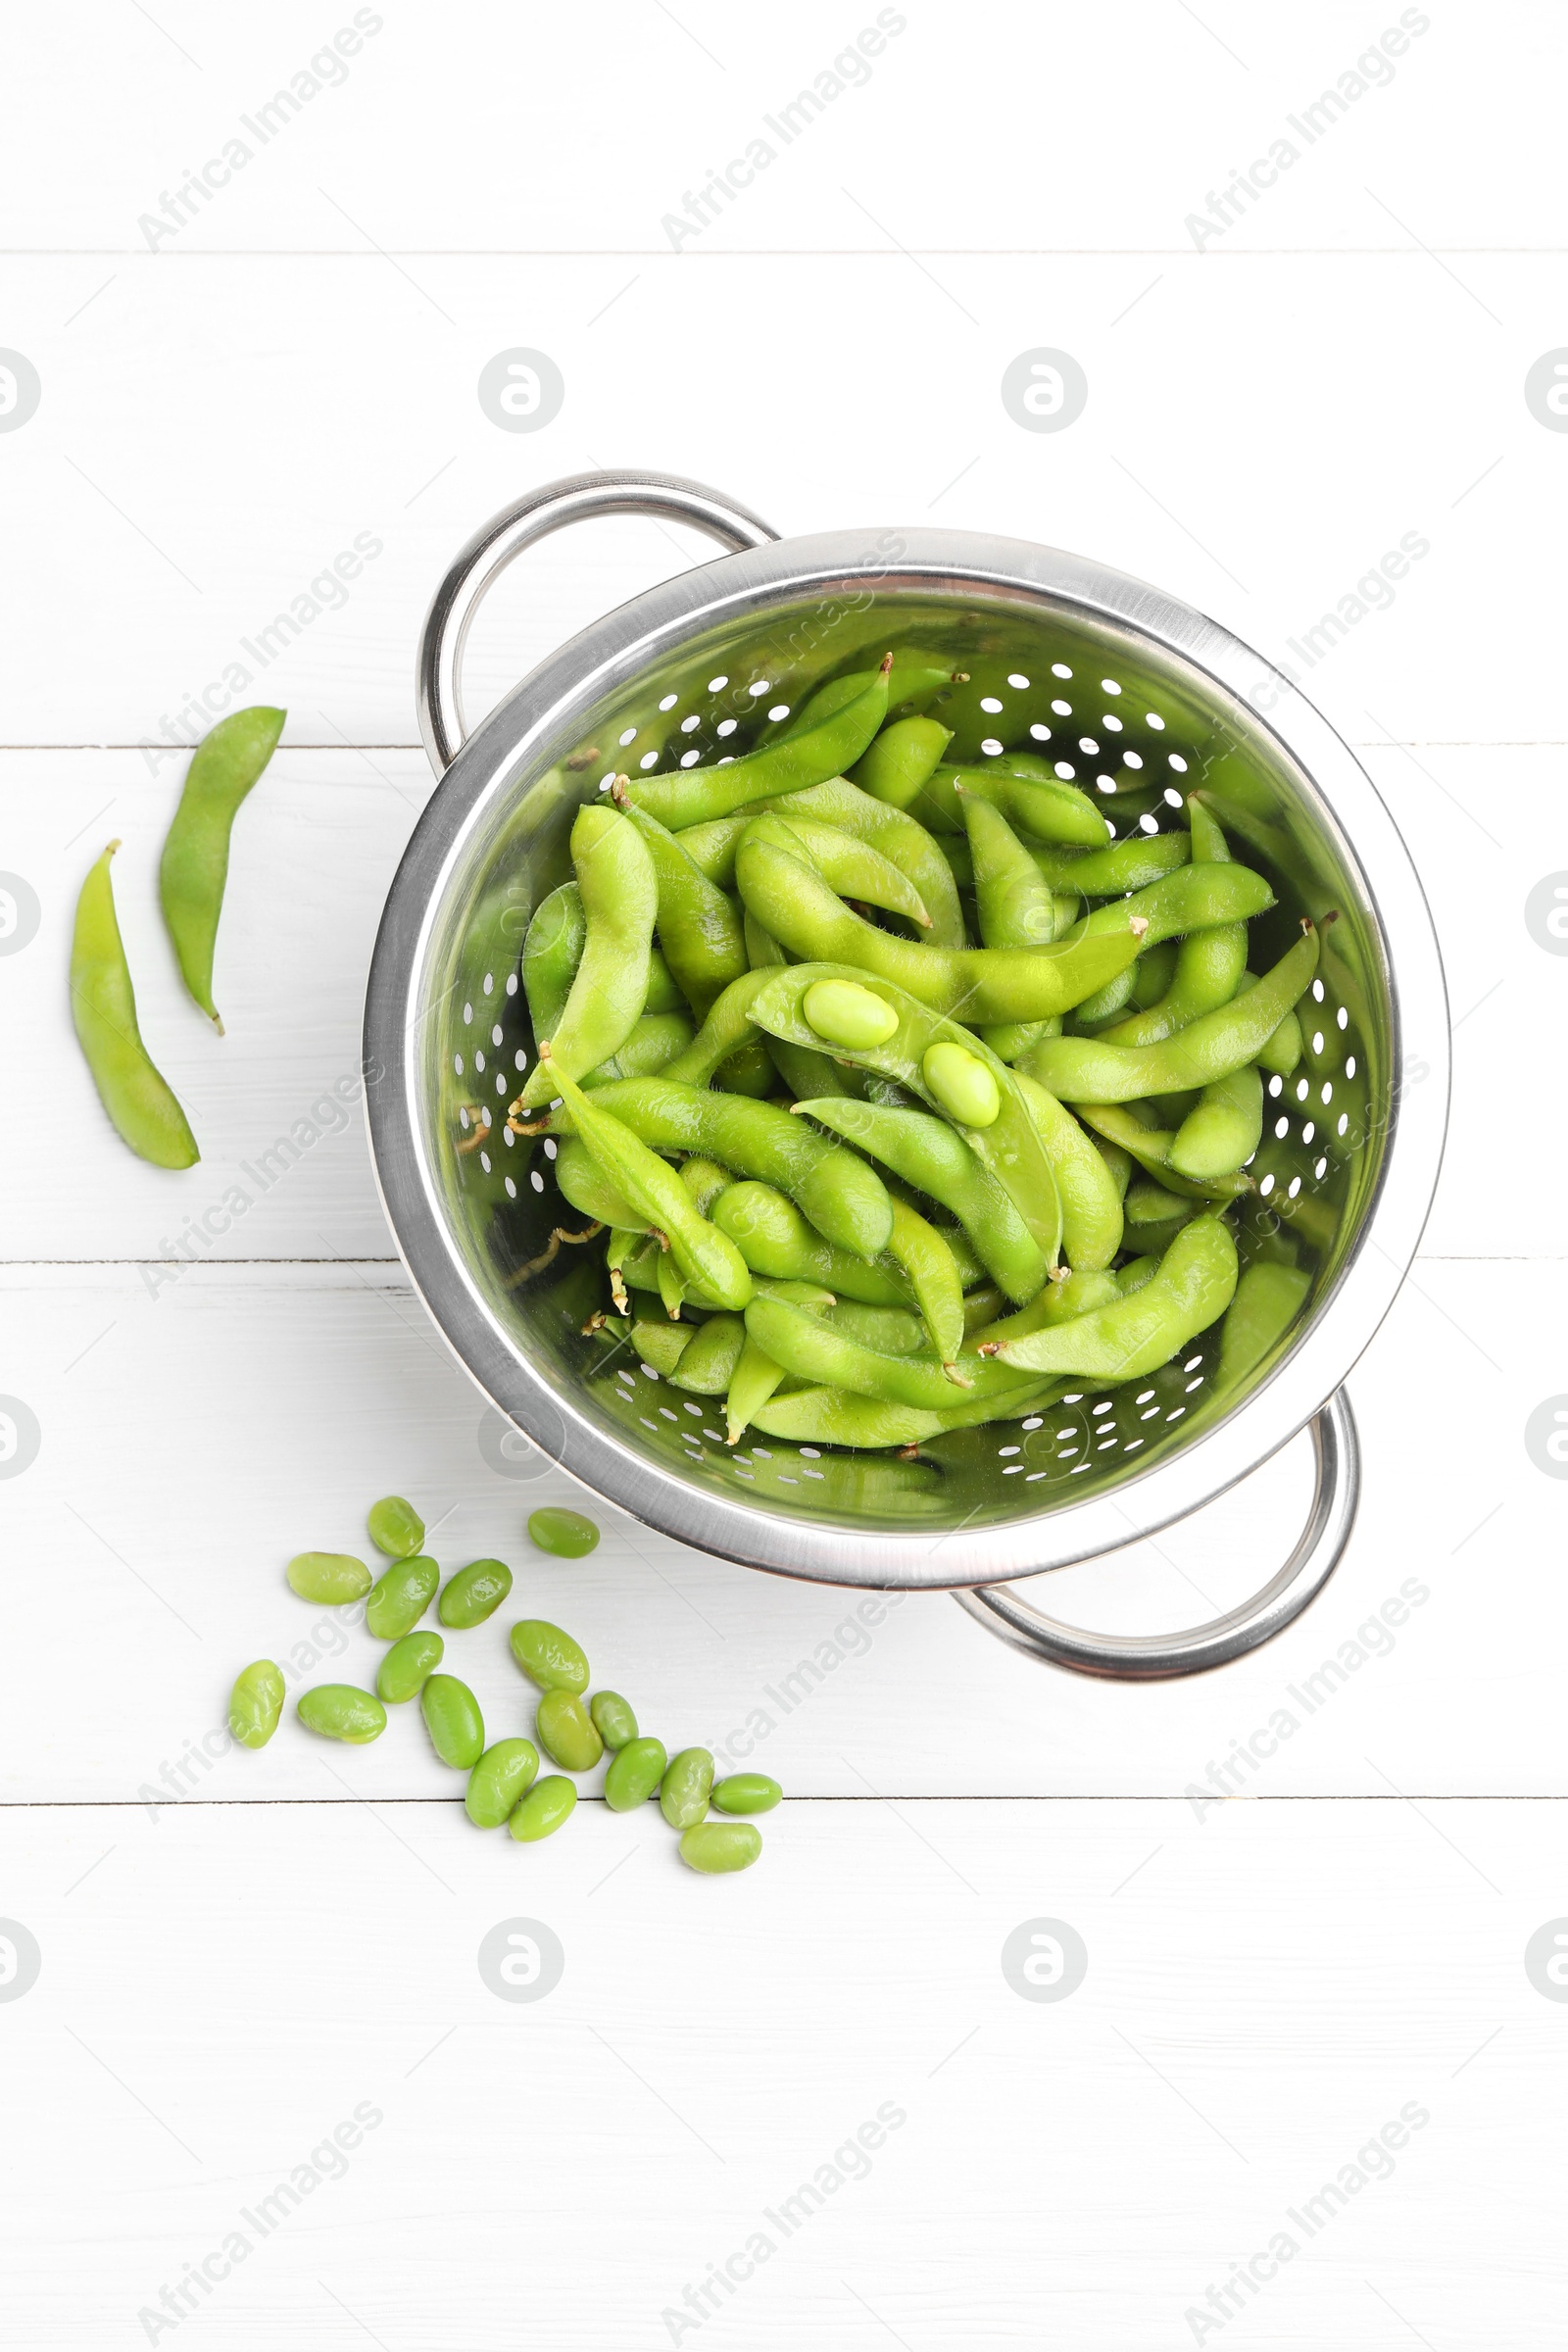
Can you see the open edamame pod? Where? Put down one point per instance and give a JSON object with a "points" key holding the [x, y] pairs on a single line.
{"points": [[1132, 1337], [138, 1098], [692, 796], [194, 868], [609, 989]]}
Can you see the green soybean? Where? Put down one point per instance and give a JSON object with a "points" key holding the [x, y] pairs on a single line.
{"points": [[847, 1014], [400, 1596], [329, 1575], [498, 1781], [549, 1657], [634, 1775], [548, 1804], [566, 1731], [571, 1535], [746, 1792], [687, 1786], [473, 1594], [396, 1527], [255, 1702], [453, 1719], [612, 1718], [339, 1712], [959, 1081], [408, 1666], [718, 1847]]}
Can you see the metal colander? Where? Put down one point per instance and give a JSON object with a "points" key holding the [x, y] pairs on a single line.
{"points": [[1138, 700]]}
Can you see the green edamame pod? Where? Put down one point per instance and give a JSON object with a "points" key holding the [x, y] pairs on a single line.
{"points": [[619, 899], [552, 950], [654, 1042], [718, 1849], [473, 1594], [856, 867], [844, 1199], [1082, 1069], [1091, 1199], [1016, 903], [698, 927], [548, 1805], [1210, 963], [1108, 1001], [328, 1576], [584, 1184], [746, 1792], [613, 1719], [692, 796], [708, 1367], [1118, 1128], [1040, 806], [900, 758], [663, 993], [339, 1712], [1137, 1271], [256, 1703], [926, 1264], [395, 1528], [1126, 865], [400, 1596], [1080, 1295], [1223, 1131], [686, 1787], [1280, 1052], [814, 1351], [835, 1417], [453, 1719], [1136, 1334], [634, 1775], [1268, 1298], [569, 1535], [139, 1099], [549, 1657], [755, 1379], [1148, 1203], [705, 1255], [916, 681], [900, 838], [727, 1028], [566, 1731], [498, 1781], [408, 1666], [194, 866], [660, 1345], [777, 1243], [934, 1157], [1011, 1147]]}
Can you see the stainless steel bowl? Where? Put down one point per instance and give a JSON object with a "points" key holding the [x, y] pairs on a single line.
{"points": [[1142, 698]]}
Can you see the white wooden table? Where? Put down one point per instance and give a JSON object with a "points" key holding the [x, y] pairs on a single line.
{"points": [[260, 2091]]}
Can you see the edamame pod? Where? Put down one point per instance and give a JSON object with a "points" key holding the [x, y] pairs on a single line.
{"points": [[140, 1101], [1043, 807], [900, 758], [1135, 1336], [856, 868], [569, 1535], [692, 796], [328, 1576], [634, 1775], [686, 1787], [1224, 1129], [1268, 1298], [660, 1345], [1123, 1131], [256, 1703], [746, 1792], [549, 1657], [395, 1528], [835, 1417], [778, 1244], [613, 1719], [408, 1666], [566, 1731], [708, 1366], [900, 838], [718, 1847], [1091, 1199], [339, 1712], [584, 1184], [755, 1378], [654, 1042], [453, 1719], [400, 1596], [619, 899], [552, 950], [810, 1348], [498, 1781], [548, 1804], [194, 868], [473, 1594], [698, 927], [927, 1265]]}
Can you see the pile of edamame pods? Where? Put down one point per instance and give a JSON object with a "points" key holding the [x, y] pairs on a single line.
{"points": [[904, 1093], [504, 1788]]}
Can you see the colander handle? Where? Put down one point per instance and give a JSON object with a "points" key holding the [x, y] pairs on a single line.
{"points": [[580, 498], [1159, 1657]]}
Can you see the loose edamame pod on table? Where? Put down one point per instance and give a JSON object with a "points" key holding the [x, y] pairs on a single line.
{"points": [[400, 1596], [473, 1594], [453, 1719], [139, 1099], [408, 1666], [571, 1535], [194, 868], [395, 1527], [340, 1711], [328, 1576], [256, 1703]]}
